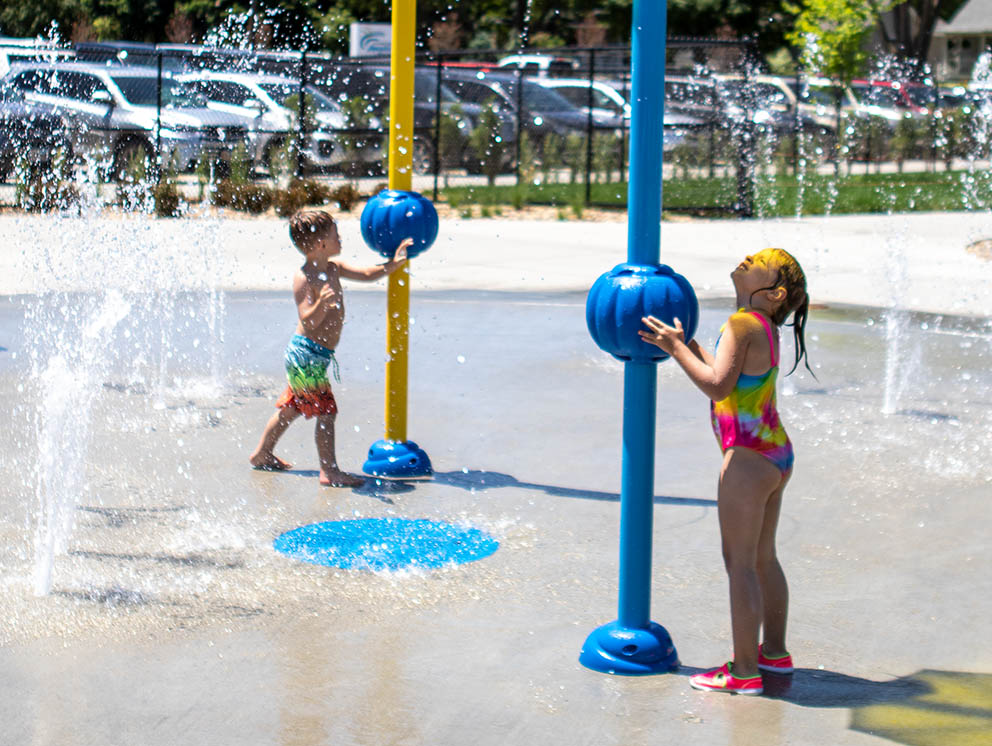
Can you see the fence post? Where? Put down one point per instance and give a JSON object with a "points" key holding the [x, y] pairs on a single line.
{"points": [[520, 119], [301, 127], [589, 127], [798, 124], [623, 130], [437, 125], [933, 124], [158, 120], [746, 146]]}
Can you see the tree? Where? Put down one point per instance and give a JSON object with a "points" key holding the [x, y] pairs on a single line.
{"points": [[909, 29], [831, 34]]}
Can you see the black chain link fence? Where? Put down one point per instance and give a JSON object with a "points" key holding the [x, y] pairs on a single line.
{"points": [[541, 123]]}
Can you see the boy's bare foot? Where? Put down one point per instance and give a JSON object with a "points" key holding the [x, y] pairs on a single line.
{"points": [[268, 462], [340, 479]]}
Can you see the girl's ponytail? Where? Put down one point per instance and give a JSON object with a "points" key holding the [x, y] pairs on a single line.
{"points": [[799, 318], [793, 279]]}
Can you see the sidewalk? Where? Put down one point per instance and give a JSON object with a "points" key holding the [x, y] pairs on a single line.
{"points": [[916, 261]]}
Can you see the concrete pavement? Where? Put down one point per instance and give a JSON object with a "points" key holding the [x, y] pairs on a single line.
{"points": [[916, 261], [172, 620]]}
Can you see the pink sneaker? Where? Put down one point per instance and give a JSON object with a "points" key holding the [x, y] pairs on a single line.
{"points": [[722, 679], [780, 664]]}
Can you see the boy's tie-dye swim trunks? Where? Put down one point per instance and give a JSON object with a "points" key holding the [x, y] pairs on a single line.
{"points": [[309, 391]]}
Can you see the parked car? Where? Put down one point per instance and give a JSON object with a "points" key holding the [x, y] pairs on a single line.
{"points": [[15, 50], [271, 102], [705, 100], [116, 111], [30, 133], [367, 87], [929, 97], [607, 101], [771, 103], [886, 99], [540, 65], [609, 104], [541, 110], [120, 52]]}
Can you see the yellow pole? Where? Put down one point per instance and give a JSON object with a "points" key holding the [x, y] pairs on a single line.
{"points": [[402, 57]]}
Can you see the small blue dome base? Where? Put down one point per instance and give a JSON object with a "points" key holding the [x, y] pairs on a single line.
{"points": [[629, 651], [392, 459]]}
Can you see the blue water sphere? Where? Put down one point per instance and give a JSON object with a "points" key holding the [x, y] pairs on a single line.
{"points": [[620, 298], [393, 215], [386, 544]]}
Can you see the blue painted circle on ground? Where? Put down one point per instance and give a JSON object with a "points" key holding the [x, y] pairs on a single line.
{"points": [[385, 544]]}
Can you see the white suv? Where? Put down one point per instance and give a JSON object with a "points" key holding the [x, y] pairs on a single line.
{"points": [[14, 51], [120, 112], [269, 100]]}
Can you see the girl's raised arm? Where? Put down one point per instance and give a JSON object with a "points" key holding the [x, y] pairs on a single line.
{"points": [[716, 377]]}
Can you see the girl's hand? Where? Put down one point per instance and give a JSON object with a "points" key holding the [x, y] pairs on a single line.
{"points": [[661, 334]]}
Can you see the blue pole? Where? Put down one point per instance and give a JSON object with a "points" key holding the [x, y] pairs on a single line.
{"points": [[647, 88], [633, 644], [637, 493], [643, 247]]}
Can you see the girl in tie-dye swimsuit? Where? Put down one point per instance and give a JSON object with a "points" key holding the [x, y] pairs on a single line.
{"points": [[740, 380], [748, 417]]}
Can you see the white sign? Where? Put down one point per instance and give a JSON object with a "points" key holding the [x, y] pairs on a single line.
{"points": [[368, 39]]}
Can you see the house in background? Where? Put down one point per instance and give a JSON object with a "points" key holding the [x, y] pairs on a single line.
{"points": [[958, 43]]}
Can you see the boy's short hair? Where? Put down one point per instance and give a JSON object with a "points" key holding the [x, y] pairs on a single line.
{"points": [[307, 225]]}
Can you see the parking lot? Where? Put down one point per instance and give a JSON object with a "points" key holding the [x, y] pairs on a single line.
{"points": [[122, 111]]}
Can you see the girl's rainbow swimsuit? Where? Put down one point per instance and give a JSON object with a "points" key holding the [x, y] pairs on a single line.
{"points": [[748, 418]]}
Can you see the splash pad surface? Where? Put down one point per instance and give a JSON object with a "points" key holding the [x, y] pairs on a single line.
{"points": [[169, 598]]}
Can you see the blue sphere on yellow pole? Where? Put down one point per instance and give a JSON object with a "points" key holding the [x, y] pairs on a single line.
{"points": [[395, 456]]}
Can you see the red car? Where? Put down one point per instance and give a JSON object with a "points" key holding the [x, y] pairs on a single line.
{"points": [[886, 94]]}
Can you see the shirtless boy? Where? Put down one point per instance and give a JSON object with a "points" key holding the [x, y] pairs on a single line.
{"points": [[319, 302]]}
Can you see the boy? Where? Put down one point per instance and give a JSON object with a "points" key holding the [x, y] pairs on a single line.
{"points": [[317, 292]]}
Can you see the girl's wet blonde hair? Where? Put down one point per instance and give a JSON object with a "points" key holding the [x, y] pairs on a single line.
{"points": [[793, 280]]}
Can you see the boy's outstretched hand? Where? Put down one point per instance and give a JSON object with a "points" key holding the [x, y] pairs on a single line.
{"points": [[400, 256], [662, 335]]}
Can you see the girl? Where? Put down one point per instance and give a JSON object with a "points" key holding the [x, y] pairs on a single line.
{"points": [[757, 460]]}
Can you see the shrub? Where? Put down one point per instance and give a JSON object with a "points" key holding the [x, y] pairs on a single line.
{"points": [[519, 196], [577, 201], [314, 192], [346, 195], [223, 194], [37, 193], [253, 198], [487, 143], [167, 199], [452, 137], [528, 158], [552, 155], [906, 140], [575, 155], [288, 201], [239, 165], [47, 186]]}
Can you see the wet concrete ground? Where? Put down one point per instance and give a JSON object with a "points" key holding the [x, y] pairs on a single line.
{"points": [[171, 619]]}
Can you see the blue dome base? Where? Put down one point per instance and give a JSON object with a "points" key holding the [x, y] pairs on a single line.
{"points": [[393, 459], [629, 651]]}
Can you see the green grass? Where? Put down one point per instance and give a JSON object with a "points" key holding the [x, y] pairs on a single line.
{"points": [[774, 196]]}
